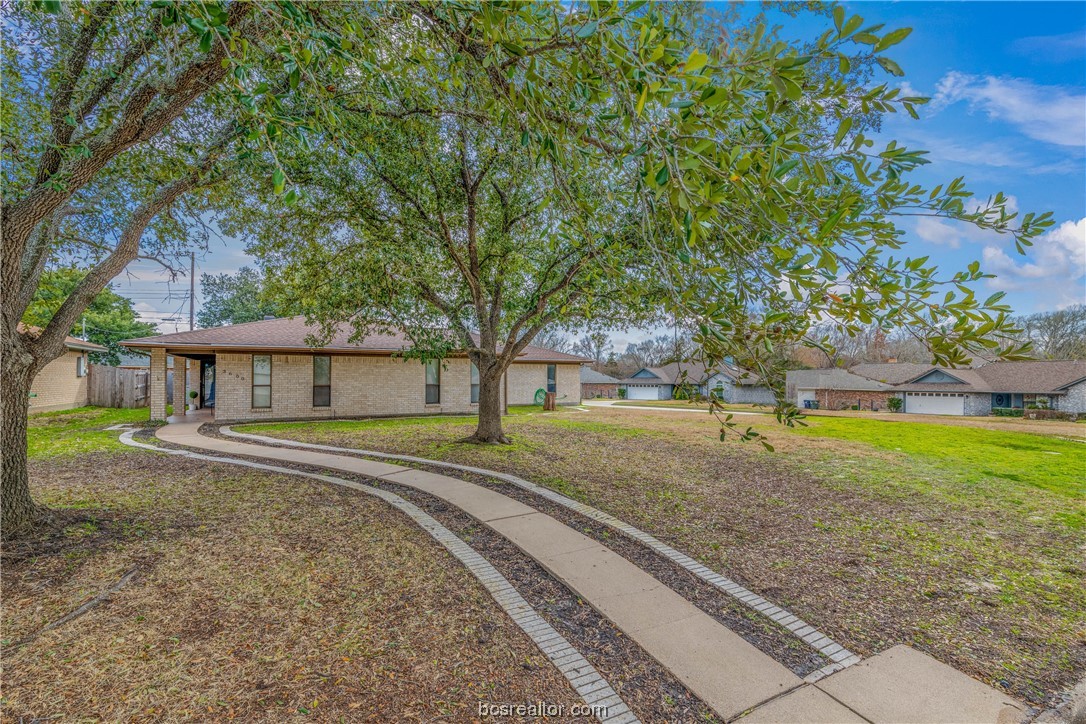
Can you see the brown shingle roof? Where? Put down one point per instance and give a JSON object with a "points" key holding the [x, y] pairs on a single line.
{"points": [[672, 373], [893, 373], [696, 373], [292, 333], [590, 376], [1031, 377], [832, 379]]}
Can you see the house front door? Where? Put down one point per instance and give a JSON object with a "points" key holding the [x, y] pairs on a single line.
{"points": [[207, 384]]}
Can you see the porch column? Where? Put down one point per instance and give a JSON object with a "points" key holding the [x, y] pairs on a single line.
{"points": [[180, 370], [157, 391]]}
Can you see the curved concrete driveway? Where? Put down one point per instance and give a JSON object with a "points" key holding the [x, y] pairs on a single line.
{"points": [[721, 668]]}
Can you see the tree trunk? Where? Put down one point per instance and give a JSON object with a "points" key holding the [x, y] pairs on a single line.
{"points": [[18, 509], [490, 408]]}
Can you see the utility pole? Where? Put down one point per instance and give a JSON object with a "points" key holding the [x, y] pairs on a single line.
{"points": [[192, 290], [178, 369]]}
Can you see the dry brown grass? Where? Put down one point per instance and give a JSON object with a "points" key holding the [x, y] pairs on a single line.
{"points": [[257, 597]]}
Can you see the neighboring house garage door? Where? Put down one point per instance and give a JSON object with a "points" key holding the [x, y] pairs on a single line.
{"points": [[934, 403], [639, 392]]}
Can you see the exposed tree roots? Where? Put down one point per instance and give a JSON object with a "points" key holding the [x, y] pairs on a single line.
{"points": [[476, 440], [71, 616]]}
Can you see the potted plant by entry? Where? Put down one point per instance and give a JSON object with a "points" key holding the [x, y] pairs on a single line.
{"points": [[193, 394]]}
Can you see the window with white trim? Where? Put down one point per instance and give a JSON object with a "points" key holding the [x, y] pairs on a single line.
{"points": [[433, 382], [322, 380], [262, 380]]}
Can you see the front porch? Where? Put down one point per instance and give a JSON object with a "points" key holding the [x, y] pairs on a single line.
{"points": [[198, 417], [1022, 401], [191, 371]]}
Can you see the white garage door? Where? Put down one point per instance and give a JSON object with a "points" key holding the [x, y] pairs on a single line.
{"points": [[637, 392], [935, 403]]}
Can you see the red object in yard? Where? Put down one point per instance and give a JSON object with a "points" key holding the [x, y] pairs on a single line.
{"points": [[549, 402]]}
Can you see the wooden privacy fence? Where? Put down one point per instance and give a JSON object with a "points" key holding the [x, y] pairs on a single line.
{"points": [[117, 387]]}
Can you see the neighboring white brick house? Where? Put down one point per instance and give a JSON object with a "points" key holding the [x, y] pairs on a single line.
{"points": [[265, 371]]}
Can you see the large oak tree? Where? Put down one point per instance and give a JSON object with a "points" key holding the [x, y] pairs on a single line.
{"points": [[445, 227]]}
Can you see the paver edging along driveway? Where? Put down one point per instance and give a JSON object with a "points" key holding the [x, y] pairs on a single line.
{"points": [[721, 668], [839, 657]]}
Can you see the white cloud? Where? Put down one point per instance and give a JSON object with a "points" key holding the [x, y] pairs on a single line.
{"points": [[908, 91], [937, 232], [1053, 269], [1057, 48], [1052, 114]]}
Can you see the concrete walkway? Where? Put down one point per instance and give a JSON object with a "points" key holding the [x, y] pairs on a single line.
{"points": [[721, 668]]}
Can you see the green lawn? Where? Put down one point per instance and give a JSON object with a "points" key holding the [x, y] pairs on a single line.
{"points": [[684, 405], [981, 462], [82, 430]]}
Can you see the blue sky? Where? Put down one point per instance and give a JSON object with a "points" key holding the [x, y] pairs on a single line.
{"points": [[1008, 82], [1008, 112]]}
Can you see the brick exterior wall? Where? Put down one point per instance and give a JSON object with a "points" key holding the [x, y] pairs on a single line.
{"points": [[979, 404], [178, 381], [369, 385], [1073, 401], [845, 399], [527, 377], [157, 383], [753, 395], [727, 391], [57, 387], [591, 390]]}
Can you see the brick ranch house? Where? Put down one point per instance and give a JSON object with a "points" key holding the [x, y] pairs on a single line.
{"points": [[62, 384], [925, 389], [266, 371]]}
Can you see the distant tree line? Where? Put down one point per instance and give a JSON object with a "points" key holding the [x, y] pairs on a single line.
{"points": [[1059, 334]]}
